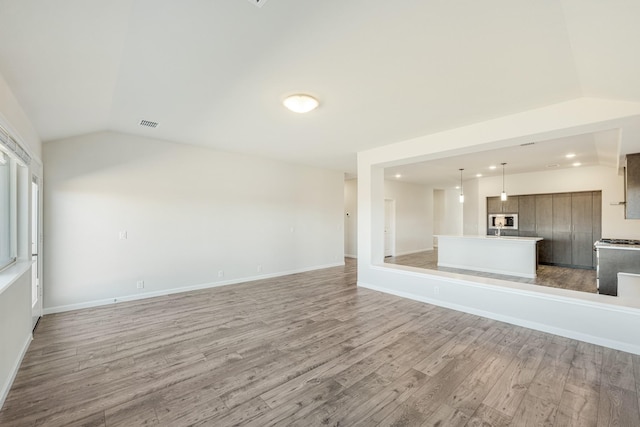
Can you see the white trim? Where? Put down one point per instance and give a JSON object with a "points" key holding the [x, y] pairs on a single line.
{"points": [[584, 299], [116, 299], [6, 387], [413, 252], [488, 270], [12, 273], [556, 295]]}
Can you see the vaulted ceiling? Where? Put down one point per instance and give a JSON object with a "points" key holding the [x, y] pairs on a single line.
{"points": [[214, 72]]}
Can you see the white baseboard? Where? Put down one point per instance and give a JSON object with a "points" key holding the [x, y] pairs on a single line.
{"points": [[117, 299], [567, 333], [4, 392], [413, 252], [488, 270]]}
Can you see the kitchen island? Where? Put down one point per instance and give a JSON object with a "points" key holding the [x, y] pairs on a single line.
{"points": [[513, 256]]}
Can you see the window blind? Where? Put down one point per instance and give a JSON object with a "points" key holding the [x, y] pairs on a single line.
{"points": [[12, 146]]}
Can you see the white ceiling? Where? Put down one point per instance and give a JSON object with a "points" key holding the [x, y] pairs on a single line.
{"points": [[594, 149], [214, 72]]}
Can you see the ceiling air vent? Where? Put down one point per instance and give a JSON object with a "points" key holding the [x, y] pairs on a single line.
{"points": [[148, 123], [258, 3], [526, 144]]}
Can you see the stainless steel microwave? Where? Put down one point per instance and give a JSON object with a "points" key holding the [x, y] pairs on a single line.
{"points": [[504, 221]]}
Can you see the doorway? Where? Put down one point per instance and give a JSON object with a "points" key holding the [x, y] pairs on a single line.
{"points": [[389, 227], [36, 240]]}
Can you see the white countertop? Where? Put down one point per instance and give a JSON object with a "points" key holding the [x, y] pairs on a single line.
{"points": [[511, 238], [615, 246]]}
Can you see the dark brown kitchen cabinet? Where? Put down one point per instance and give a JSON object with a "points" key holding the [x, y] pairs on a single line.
{"points": [[569, 224], [510, 205], [582, 229], [561, 220], [494, 205], [544, 227], [527, 216], [632, 187], [576, 225]]}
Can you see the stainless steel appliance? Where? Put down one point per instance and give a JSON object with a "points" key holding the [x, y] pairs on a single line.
{"points": [[503, 221], [615, 256]]}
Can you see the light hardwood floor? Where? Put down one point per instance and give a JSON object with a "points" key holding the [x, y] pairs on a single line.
{"points": [[575, 279], [311, 350]]}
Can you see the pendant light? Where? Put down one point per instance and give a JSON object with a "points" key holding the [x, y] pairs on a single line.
{"points": [[503, 195], [461, 198]]}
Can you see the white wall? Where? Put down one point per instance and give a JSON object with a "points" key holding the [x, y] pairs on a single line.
{"points": [[189, 213], [15, 329], [351, 218], [599, 319], [448, 212], [414, 216], [13, 117], [471, 205], [15, 282], [439, 218], [614, 225], [453, 212]]}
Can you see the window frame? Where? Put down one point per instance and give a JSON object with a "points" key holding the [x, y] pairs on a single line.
{"points": [[12, 163]]}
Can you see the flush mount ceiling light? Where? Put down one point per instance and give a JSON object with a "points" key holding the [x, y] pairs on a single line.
{"points": [[300, 103], [570, 156]]}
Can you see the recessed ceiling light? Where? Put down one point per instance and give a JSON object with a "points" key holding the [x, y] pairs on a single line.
{"points": [[570, 155], [576, 164], [300, 103], [398, 175], [478, 175], [457, 187], [492, 167]]}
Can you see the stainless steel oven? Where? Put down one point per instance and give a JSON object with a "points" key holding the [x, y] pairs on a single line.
{"points": [[503, 221]]}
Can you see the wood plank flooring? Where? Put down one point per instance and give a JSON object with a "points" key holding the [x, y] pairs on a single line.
{"points": [[311, 349], [575, 279]]}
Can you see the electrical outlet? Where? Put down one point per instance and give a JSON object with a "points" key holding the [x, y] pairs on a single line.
{"points": [[123, 235], [221, 273], [259, 269], [140, 284], [436, 290]]}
